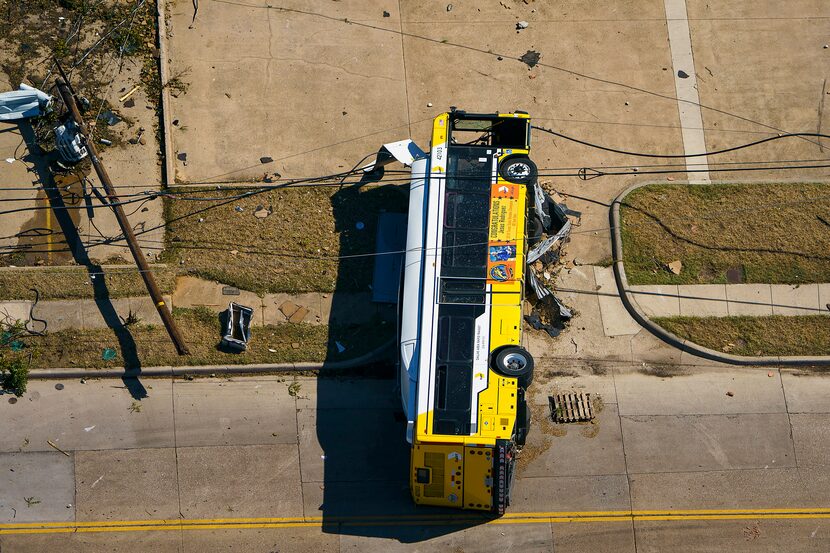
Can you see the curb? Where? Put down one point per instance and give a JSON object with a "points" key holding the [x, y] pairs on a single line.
{"points": [[164, 75], [204, 370], [668, 337]]}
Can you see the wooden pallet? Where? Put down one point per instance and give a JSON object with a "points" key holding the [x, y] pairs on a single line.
{"points": [[571, 407]]}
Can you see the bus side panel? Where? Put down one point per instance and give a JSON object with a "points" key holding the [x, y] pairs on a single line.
{"points": [[436, 477]]}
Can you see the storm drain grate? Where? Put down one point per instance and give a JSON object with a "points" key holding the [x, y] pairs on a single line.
{"points": [[571, 407]]}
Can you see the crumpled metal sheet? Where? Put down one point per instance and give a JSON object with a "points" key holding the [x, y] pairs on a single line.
{"points": [[23, 103], [546, 244]]}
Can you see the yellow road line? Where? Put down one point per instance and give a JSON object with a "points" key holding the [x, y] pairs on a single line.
{"points": [[410, 520]]}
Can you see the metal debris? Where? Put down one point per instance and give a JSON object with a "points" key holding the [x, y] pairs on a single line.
{"points": [[25, 102]]}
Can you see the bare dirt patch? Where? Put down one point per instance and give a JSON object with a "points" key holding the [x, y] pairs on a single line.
{"points": [[772, 233]]}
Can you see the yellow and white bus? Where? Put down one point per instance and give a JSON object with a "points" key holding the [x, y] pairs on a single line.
{"points": [[464, 371]]}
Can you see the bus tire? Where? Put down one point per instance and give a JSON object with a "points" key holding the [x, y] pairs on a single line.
{"points": [[518, 170], [515, 362]]}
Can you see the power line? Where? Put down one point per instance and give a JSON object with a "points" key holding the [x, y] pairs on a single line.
{"points": [[682, 156]]}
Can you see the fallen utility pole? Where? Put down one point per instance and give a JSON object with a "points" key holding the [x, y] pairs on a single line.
{"points": [[144, 268]]}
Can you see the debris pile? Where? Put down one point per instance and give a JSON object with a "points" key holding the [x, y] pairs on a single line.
{"points": [[549, 231]]}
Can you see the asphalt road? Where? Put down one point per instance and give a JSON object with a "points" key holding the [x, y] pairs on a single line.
{"points": [[672, 463]]}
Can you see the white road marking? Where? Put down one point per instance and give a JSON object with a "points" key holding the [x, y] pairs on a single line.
{"points": [[688, 100]]}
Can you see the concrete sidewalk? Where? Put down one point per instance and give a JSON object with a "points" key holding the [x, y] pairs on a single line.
{"points": [[191, 292], [728, 300]]}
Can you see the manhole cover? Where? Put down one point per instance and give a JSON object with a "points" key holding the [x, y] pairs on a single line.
{"points": [[571, 407]]}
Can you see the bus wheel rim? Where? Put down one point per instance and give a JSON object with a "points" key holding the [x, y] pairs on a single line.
{"points": [[516, 360]]}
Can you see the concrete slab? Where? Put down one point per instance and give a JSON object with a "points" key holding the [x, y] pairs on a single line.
{"points": [[731, 489], [193, 292], [652, 353], [657, 300], [126, 484], [15, 310], [239, 481], [97, 415], [754, 300], [571, 493], [811, 436], [338, 499], [616, 320], [45, 478], [806, 392], [707, 442], [585, 449], [331, 392], [703, 300], [795, 300], [63, 314], [249, 413], [350, 445], [312, 302], [104, 542], [244, 65], [586, 336], [266, 540], [738, 536], [700, 393], [603, 537]]}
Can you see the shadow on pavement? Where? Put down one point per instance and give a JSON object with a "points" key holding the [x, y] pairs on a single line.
{"points": [[63, 214], [360, 425]]}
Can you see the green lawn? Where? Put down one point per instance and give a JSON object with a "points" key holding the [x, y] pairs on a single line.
{"points": [[766, 233]]}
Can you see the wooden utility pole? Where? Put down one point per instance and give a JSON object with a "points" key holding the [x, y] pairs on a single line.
{"points": [[143, 267]]}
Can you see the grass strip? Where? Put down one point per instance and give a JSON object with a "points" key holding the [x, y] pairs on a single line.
{"points": [[755, 336]]}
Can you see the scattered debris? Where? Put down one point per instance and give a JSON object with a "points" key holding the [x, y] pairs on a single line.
{"points": [[89, 428], [294, 389], [239, 209], [682, 74], [130, 93], [110, 118], [105, 141], [266, 159], [261, 212], [531, 58], [52, 444], [730, 394], [295, 345], [340, 347], [135, 407], [386, 14], [182, 156], [522, 25], [108, 354], [25, 102], [429, 104], [272, 350], [675, 267], [30, 501], [770, 374], [359, 225], [449, 9]]}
